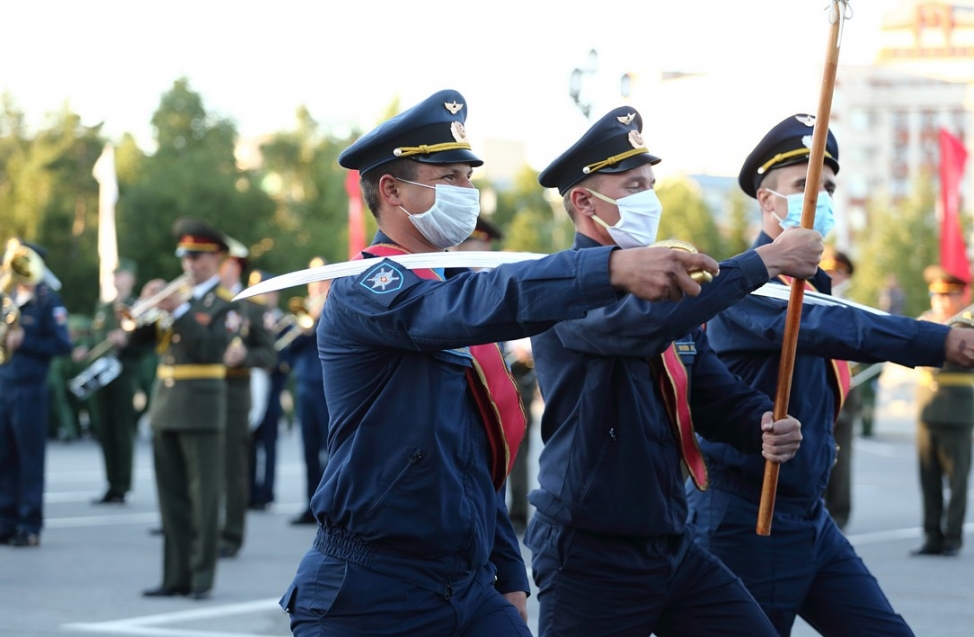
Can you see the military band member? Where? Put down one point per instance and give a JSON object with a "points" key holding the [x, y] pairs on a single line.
{"points": [[807, 567], [252, 345], [116, 411], [188, 411], [312, 407], [42, 335], [263, 438], [413, 534], [945, 419]]}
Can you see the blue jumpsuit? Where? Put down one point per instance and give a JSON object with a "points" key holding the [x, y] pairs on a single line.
{"points": [[413, 538], [806, 566], [23, 412], [612, 553]]}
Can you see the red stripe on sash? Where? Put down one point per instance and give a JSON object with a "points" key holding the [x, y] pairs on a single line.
{"points": [[493, 388], [840, 376], [675, 387]]}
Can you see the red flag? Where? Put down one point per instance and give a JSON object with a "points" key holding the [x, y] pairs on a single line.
{"points": [[953, 251], [356, 223]]}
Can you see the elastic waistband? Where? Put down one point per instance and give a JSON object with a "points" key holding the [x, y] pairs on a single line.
{"points": [[190, 372], [730, 480], [438, 576]]}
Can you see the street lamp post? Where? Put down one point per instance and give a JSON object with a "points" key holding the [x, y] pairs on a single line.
{"points": [[575, 82]]}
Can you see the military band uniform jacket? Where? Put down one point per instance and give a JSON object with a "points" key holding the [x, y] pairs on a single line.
{"points": [[188, 416], [23, 412], [117, 423], [808, 566], [407, 491]]}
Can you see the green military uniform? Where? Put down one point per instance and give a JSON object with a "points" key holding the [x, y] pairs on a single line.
{"points": [[260, 353], [188, 418], [945, 404], [117, 423], [70, 417], [945, 400]]}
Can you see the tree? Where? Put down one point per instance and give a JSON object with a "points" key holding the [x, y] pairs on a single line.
{"points": [[192, 173], [903, 240], [530, 220], [686, 216]]}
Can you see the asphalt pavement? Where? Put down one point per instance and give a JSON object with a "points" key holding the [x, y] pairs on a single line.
{"points": [[94, 560]]}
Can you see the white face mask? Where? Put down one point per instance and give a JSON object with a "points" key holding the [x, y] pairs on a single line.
{"points": [[639, 216], [452, 217]]}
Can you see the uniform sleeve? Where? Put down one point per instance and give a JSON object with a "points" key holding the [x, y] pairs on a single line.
{"points": [[259, 340], [724, 407], [843, 333], [390, 306], [633, 327], [52, 339], [506, 557]]}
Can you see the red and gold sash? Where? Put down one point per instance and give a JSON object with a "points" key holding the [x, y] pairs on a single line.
{"points": [[493, 388], [675, 387], [840, 376]]}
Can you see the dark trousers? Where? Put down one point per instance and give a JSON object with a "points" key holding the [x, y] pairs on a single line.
{"points": [[806, 566], [189, 479], [23, 439], [116, 430], [838, 494], [332, 597], [945, 454], [313, 413], [236, 457], [263, 446], [602, 586]]}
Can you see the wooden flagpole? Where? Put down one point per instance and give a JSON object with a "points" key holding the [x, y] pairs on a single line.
{"points": [[793, 318]]}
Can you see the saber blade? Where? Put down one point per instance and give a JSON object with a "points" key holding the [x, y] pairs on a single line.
{"points": [[410, 261]]}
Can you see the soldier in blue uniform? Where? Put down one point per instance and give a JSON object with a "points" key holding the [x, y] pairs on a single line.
{"points": [[806, 567], [612, 554], [413, 534], [43, 334], [312, 407], [267, 414]]}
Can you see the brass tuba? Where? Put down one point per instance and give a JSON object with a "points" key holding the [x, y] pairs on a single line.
{"points": [[21, 266]]}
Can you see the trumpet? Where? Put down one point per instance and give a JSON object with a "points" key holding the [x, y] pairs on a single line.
{"points": [[21, 266], [300, 319], [146, 311]]}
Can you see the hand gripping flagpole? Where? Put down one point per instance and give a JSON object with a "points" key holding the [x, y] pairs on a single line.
{"points": [[839, 11]]}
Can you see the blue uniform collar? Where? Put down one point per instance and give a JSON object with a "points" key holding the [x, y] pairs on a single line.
{"points": [[582, 242]]}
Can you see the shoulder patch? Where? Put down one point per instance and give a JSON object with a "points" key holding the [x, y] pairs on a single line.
{"points": [[60, 315], [385, 281]]}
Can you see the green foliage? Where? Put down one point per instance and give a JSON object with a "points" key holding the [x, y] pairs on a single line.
{"points": [[531, 222], [902, 240], [687, 217], [193, 173]]}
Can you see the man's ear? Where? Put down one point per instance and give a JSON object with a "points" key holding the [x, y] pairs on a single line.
{"points": [[389, 190], [583, 201], [763, 195]]}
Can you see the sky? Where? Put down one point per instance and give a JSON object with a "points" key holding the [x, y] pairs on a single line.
{"points": [[257, 62]]}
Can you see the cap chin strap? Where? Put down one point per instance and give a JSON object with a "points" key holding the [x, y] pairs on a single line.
{"points": [[427, 149], [615, 159]]}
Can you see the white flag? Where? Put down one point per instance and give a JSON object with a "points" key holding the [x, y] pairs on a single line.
{"points": [[104, 173]]}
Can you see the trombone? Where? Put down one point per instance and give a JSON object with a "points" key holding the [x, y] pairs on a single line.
{"points": [[21, 266], [145, 311], [301, 320]]}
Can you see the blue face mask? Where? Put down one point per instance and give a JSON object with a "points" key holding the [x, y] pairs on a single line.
{"points": [[824, 211]]}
